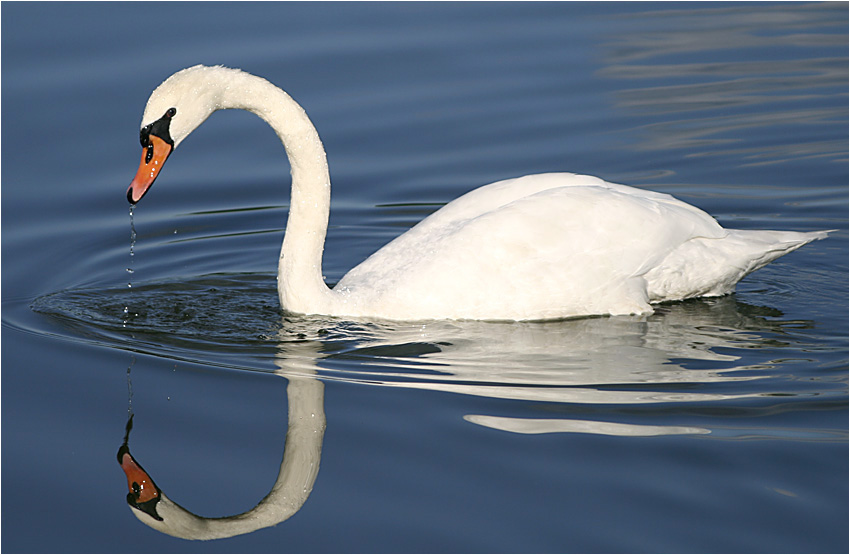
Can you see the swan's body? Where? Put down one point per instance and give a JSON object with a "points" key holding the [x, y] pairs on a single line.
{"points": [[536, 247]]}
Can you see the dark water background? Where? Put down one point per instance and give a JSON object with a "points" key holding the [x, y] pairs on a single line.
{"points": [[713, 425]]}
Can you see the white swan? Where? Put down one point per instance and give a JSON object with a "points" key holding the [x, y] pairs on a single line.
{"points": [[532, 248]]}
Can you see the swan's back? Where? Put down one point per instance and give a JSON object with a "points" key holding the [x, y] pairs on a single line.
{"points": [[536, 247]]}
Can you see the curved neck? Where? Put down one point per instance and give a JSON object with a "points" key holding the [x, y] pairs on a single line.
{"points": [[300, 284]]}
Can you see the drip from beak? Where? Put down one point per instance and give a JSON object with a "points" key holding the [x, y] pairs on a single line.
{"points": [[153, 158]]}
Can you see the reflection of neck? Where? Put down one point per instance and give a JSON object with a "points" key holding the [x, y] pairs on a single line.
{"points": [[293, 485]]}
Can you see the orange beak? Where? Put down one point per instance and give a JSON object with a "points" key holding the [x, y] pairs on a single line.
{"points": [[153, 158]]}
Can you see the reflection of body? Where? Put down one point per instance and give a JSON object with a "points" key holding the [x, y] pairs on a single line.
{"points": [[622, 363], [537, 247], [294, 482]]}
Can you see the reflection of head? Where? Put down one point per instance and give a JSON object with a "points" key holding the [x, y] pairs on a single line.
{"points": [[298, 471], [144, 495]]}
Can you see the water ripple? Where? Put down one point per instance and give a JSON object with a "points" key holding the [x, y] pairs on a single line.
{"points": [[734, 98], [691, 354]]}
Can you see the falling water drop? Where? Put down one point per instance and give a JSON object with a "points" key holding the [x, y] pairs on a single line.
{"points": [[130, 392], [132, 243], [130, 267]]}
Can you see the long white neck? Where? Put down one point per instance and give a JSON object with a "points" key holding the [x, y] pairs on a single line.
{"points": [[300, 284]]}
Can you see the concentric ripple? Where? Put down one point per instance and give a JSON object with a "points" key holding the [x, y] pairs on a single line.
{"points": [[688, 354]]}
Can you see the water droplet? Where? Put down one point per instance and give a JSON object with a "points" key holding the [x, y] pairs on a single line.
{"points": [[130, 391], [129, 268]]}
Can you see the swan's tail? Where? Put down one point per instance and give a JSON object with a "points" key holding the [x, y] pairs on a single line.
{"points": [[761, 247], [710, 267]]}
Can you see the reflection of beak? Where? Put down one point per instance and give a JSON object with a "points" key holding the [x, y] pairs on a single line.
{"points": [[143, 493], [153, 157]]}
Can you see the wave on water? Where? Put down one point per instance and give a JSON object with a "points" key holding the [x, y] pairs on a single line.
{"points": [[687, 355]]}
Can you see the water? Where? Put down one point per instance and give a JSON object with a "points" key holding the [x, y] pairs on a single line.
{"points": [[713, 425]]}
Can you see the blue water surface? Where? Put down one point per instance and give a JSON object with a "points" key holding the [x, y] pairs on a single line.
{"points": [[714, 425]]}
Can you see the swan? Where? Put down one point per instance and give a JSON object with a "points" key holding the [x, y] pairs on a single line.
{"points": [[537, 247]]}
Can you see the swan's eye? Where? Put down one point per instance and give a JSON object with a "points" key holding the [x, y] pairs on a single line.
{"points": [[160, 127], [136, 489]]}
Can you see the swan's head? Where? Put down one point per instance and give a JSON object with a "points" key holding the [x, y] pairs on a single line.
{"points": [[178, 106]]}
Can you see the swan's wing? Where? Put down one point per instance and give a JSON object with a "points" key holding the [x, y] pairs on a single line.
{"points": [[566, 248]]}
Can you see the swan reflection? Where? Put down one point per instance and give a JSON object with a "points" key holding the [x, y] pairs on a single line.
{"points": [[683, 356], [295, 480]]}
